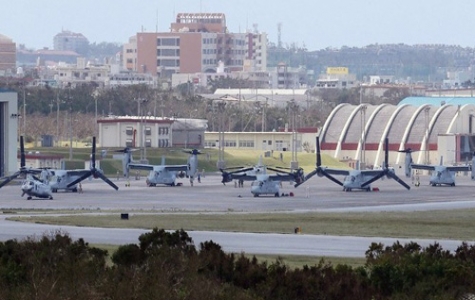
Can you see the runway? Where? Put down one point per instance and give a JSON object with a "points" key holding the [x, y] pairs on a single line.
{"points": [[211, 196]]}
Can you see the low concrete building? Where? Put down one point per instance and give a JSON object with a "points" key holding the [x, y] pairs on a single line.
{"points": [[154, 132]]}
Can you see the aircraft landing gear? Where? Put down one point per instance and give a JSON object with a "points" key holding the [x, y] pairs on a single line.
{"points": [[50, 197], [453, 184], [256, 195], [277, 195], [75, 190], [29, 198]]}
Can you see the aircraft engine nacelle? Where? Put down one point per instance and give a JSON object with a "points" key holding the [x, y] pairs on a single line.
{"points": [[181, 174], [227, 178]]}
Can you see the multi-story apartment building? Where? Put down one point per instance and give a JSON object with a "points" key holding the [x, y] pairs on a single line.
{"points": [[196, 43], [7, 56], [67, 40]]}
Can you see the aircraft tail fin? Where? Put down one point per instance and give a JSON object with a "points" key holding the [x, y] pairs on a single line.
{"points": [[126, 160], [260, 163], [193, 164], [441, 160]]}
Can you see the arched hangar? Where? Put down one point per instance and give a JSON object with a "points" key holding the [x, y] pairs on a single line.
{"points": [[432, 126]]}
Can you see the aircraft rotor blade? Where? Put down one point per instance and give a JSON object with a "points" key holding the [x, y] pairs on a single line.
{"points": [[242, 170], [86, 175], [93, 157], [8, 179], [331, 177], [22, 153], [399, 180], [386, 153], [319, 158], [377, 177], [279, 170], [103, 177], [232, 168]]}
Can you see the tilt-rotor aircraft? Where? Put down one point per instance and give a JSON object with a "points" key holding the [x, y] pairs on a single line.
{"points": [[228, 176], [76, 176], [440, 174], [354, 179], [269, 184], [31, 186], [163, 174]]}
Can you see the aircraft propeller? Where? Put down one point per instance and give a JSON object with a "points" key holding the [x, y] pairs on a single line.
{"points": [[93, 171], [319, 170], [228, 176], [23, 169], [386, 171]]}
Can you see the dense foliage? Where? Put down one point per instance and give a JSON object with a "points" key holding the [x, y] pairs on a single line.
{"points": [[166, 265]]}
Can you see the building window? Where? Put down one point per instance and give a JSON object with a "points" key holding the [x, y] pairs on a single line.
{"points": [[163, 143], [168, 42], [128, 143], [129, 130], [148, 131], [148, 143], [246, 144], [210, 144], [230, 143]]}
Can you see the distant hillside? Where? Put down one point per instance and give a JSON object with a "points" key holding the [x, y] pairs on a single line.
{"points": [[420, 62]]}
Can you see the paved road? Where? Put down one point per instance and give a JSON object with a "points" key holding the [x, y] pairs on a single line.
{"points": [[212, 196]]}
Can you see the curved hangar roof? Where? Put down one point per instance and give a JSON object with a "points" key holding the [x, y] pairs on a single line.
{"points": [[405, 124]]}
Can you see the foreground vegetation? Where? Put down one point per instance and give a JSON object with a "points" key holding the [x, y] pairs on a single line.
{"points": [[450, 224], [169, 266]]}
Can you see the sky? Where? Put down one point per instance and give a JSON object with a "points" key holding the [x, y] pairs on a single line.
{"points": [[314, 24]]}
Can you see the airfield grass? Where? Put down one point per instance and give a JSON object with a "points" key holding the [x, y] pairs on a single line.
{"points": [[451, 224]]}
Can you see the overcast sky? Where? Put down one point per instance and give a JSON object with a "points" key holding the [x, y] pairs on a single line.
{"points": [[314, 23]]}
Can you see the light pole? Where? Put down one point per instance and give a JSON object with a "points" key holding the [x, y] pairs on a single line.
{"points": [[24, 110], [141, 127], [57, 119], [95, 95]]}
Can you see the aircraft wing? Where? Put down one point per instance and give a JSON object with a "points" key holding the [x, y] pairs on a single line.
{"points": [[371, 172], [141, 167], [282, 177], [458, 168], [176, 168], [337, 171], [423, 167], [77, 172]]}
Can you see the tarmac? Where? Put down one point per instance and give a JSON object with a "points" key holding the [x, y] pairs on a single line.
{"points": [[318, 194]]}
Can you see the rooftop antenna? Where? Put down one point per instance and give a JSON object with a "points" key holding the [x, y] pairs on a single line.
{"points": [[256, 30], [279, 35]]}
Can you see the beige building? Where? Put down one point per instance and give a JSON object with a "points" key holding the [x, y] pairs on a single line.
{"points": [[133, 131], [7, 56], [266, 141]]}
